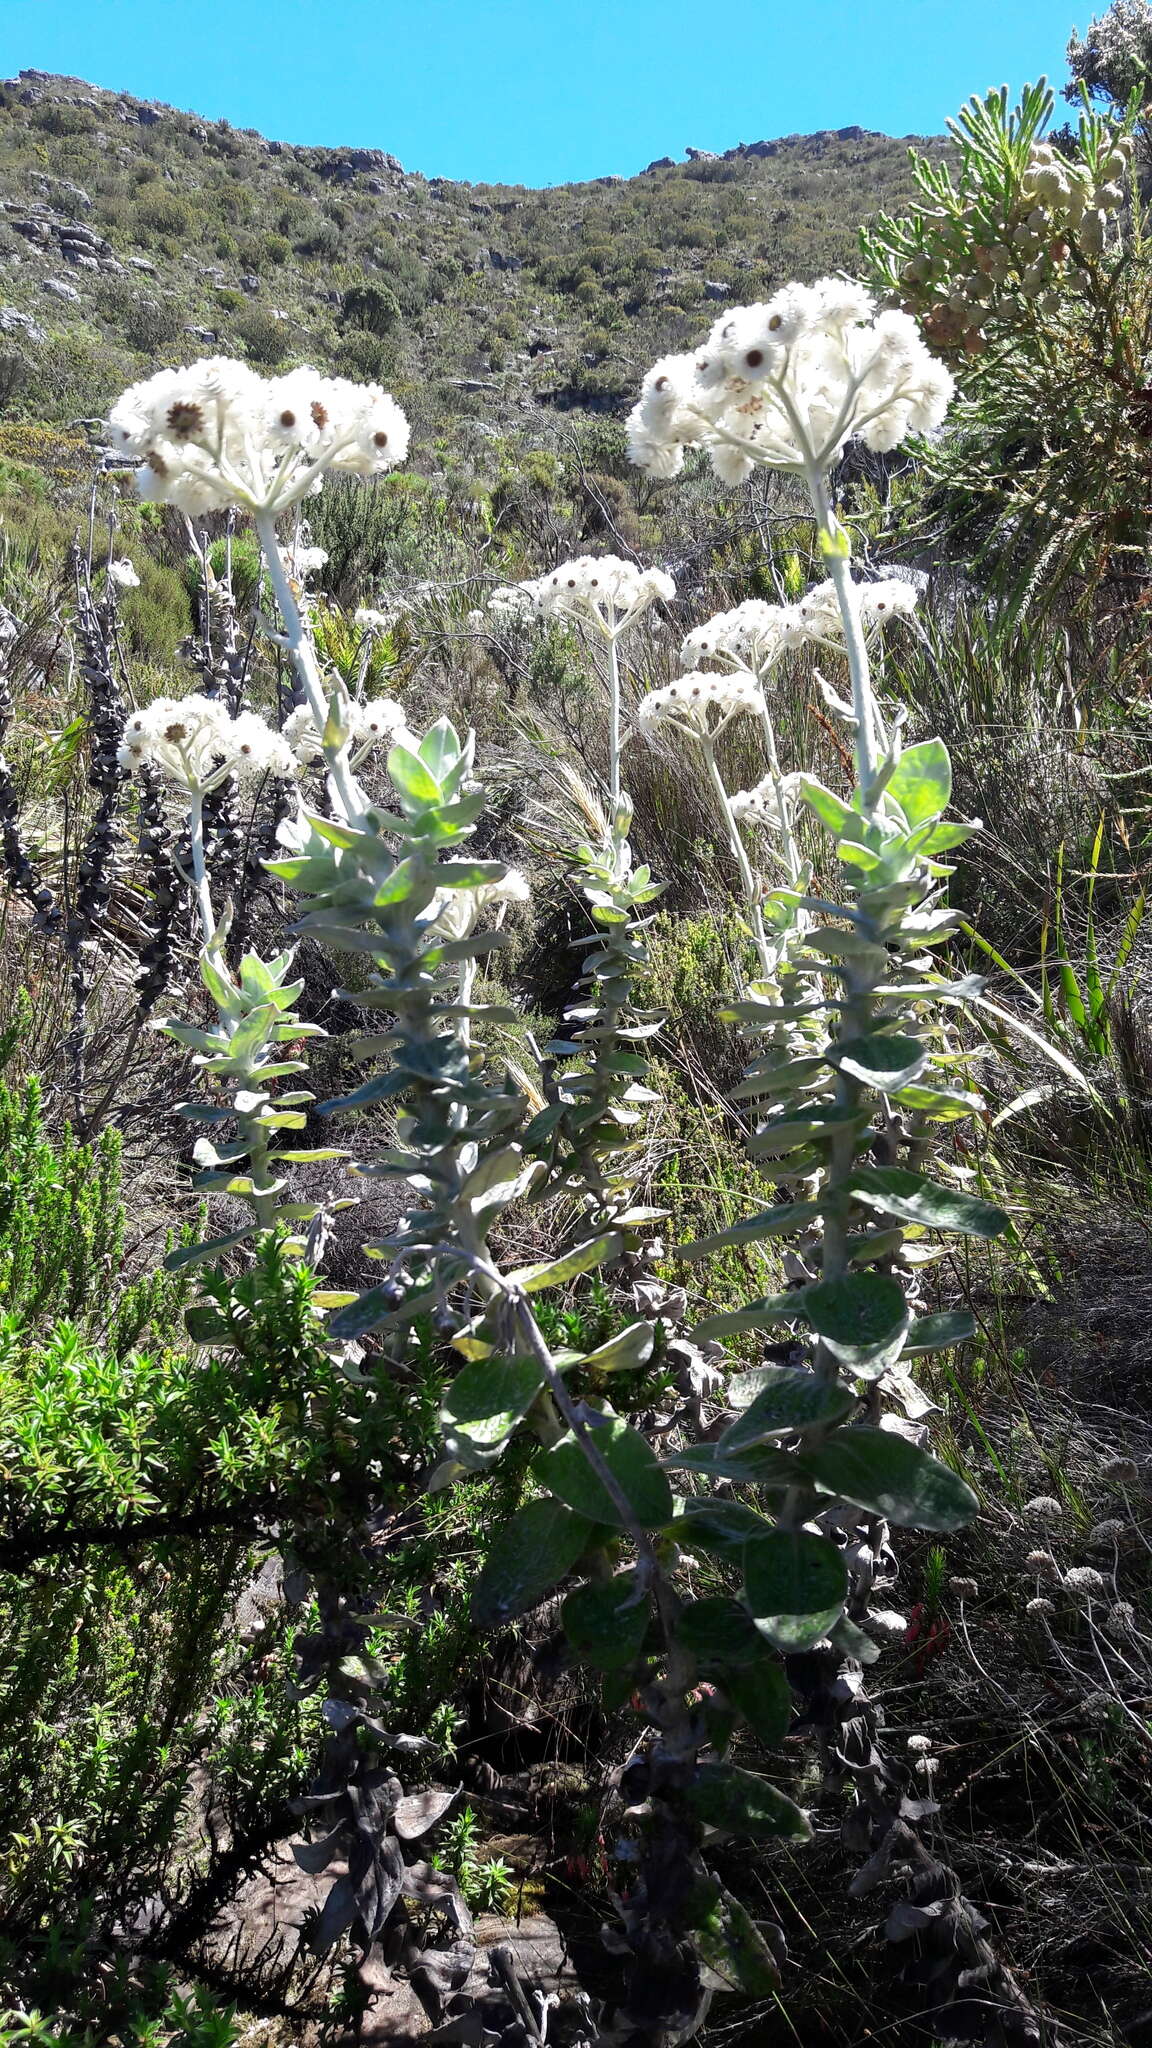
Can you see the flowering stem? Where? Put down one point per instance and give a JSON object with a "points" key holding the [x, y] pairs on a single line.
{"points": [[840, 572], [739, 853], [341, 781], [784, 809], [614, 742], [200, 865]]}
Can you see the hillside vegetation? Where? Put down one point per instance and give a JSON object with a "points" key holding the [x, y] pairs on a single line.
{"points": [[134, 234], [575, 1063]]}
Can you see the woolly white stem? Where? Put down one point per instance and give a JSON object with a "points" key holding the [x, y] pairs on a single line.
{"points": [[345, 792]]}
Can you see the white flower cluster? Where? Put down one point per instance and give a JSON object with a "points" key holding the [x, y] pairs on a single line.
{"points": [[768, 804], [701, 705], [123, 575], [193, 741], [889, 598], [382, 722], [217, 434], [600, 588], [756, 633], [302, 561], [370, 621], [789, 383]]}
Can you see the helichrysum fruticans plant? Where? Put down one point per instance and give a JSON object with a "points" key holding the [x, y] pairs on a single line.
{"points": [[207, 437]]}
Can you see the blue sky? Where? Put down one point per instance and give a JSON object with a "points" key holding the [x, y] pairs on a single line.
{"points": [[539, 91]]}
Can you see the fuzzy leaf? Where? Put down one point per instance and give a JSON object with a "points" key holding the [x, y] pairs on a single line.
{"points": [[628, 1349], [879, 1470], [733, 1948], [772, 1308], [719, 1630], [939, 1333], [194, 1254], [606, 1622], [882, 1060], [554, 1272], [761, 1696], [412, 777], [921, 781], [858, 1317], [565, 1470], [742, 1804], [795, 1584], [483, 1405], [916, 1200], [718, 1527], [787, 1401], [787, 1216], [529, 1555]]}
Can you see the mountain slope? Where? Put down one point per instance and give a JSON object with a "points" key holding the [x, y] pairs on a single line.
{"points": [[133, 234]]}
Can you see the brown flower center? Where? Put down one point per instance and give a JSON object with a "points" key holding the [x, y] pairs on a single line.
{"points": [[287, 419], [754, 358], [185, 419]]}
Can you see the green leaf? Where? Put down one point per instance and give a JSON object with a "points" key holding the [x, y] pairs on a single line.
{"points": [[762, 1697], [628, 1349], [742, 1804], [758, 1465], [719, 1630], [440, 748], [529, 1556], [606, 1621], [718, 1527], [207, 1326], [829, 808], [787, 1401], [921, 781], [795, 1584], [916, 1200], [483, 1405], [554, 1272], [772, 1308], [859, 1316], [939, 1333], [565, 1471], [194, 1254], [882, 1060], [733, 1948], [940, 1105], [787, 1216], [411, 777], [879, 1470]]}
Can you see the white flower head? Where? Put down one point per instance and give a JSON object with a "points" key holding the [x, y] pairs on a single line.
{"points": [[598, 590], [192, 741], [382, 722], [754, 635], [370, 621], [303, 561], [701, 705], [1082, 1579], [123, 575], [1044, 1508], [769, 804], [216, 434], [788, 383]]}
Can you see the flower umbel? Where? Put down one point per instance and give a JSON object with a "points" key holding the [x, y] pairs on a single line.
{"points": [[788, 384], [217, 434]]}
